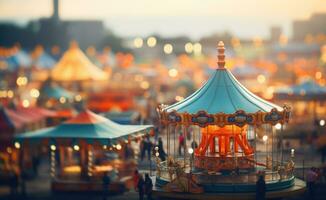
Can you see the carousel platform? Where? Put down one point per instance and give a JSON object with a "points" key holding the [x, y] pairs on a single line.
{"points": [[297, 188]]}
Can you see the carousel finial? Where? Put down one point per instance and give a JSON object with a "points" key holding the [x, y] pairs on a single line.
{"points": [[220, 56]]}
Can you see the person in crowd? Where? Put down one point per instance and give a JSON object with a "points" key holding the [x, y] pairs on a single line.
{"points": [[261, 188], [14, 180], [194, 145], [142, 149], [135, 178], [106, 180], [148, 186], [140, 186], [149, 146], [161, 151], [312, 177], [181, 143]]}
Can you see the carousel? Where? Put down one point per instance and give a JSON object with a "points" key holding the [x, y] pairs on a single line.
{"points": [[83, 150], [232, 138]]}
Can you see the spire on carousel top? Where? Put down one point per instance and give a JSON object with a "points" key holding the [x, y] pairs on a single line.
{"points": [[221, 55]]}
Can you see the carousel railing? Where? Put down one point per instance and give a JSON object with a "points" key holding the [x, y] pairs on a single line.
{"points": [[277, 173]]}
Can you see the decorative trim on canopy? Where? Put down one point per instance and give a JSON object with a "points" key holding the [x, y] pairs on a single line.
{"points": [[239, 118]]}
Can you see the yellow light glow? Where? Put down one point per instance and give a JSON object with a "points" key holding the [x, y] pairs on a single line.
{"points": [[21, 81], [197, 48], [168, 48], [17, 145], [144, 85], [76, 147], [173, 72], [105, 147], [62, 100], [151, 41], [72, 169], [9, 150], [53, 147], [261, 78], [34, 93], [78, 98], [179, 98], [278, 126], [269, 92], [265, 138], [318, 75], [26, 103], [119, 147], [10, 94], [189, 47], [3, 93], [138, 42]]}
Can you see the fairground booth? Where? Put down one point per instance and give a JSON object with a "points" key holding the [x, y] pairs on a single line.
{"points": [[84, 149], [76, 72], [234, 136], [307, 99]]}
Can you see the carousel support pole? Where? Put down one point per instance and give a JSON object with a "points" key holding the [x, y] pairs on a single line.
{"points": [[255, 152], [168, 139], [273, 154], [61, 158], [150, 164], [184, 127], [90, 161], [174, 130], [83, 160], [21, 169], [281, 144], [52, 161]]}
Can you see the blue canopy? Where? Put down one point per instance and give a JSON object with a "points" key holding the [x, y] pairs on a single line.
{"points": [[222, 93], [308, 89], [44, 61], [127, 117], [20, 59], [89, 126], [56, 92]]}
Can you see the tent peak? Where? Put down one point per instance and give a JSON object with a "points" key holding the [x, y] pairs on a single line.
{"points": [[221, 55], [73, 44]]}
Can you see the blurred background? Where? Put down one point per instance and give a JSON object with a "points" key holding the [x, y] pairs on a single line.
{"points": [[134, 55]]}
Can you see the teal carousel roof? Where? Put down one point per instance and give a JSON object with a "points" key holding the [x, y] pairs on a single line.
{"points": [[90, 127], [221, 95]]}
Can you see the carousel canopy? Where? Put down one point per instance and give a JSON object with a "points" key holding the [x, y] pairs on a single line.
{"points": [[44, 61], [127, 117], [308, 90], [225, 98], [75, 66], [15, 61], [222, 93], [89, 126], [50, 90]]}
